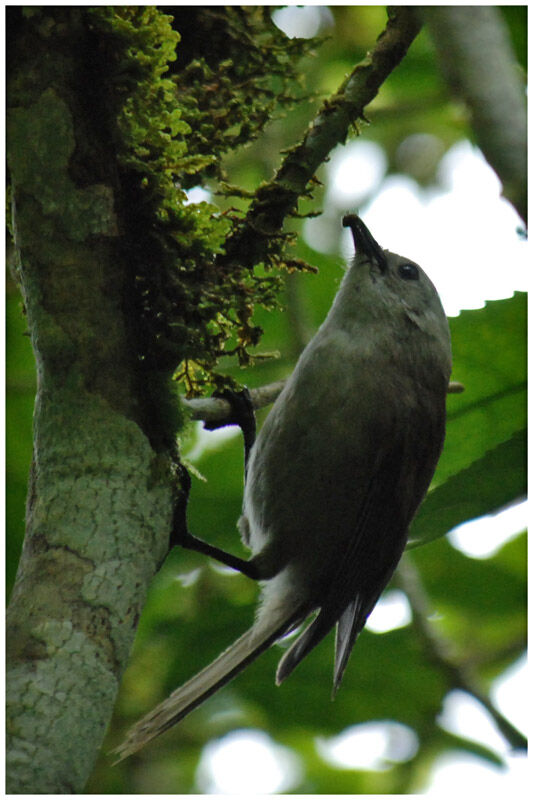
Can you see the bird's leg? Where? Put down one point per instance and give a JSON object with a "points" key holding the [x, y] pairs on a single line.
{"points": [[243, 415]]}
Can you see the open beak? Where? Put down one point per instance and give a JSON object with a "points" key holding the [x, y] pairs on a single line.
{"points": [[364, 241]]}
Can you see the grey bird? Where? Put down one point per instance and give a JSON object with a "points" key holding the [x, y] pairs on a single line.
{"points": [[338, 471]]}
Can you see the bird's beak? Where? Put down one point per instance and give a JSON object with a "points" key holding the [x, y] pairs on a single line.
{"points": [[364, 241]]}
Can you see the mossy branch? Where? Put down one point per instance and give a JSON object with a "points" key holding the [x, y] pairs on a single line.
{"points": [[274, 200]]}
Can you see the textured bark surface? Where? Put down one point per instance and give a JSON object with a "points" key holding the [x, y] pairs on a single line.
{"points": [[100, 499], [95, 518]]}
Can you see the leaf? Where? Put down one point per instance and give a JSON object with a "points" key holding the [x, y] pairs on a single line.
{"points": [[479, 601], [489, 356], [493, 481]]}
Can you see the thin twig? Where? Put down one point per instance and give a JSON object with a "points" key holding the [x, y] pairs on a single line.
{"points": [[216, 409]]}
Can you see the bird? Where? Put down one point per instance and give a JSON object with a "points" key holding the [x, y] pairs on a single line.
{"points": [[337, 472]]}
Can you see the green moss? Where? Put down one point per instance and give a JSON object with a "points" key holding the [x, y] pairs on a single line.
{"points": [[190, 307], [117, 111], [230, 90]]}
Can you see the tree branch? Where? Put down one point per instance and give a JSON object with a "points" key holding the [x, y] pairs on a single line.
{"points": [[438, 649], [215, 409], [479, 65], [279, 197]]}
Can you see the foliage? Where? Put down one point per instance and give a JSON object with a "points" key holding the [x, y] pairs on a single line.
{"points": [[195, 609], [484, 471]]}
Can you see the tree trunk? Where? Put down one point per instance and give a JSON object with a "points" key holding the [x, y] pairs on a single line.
{"points": [[100, 498]]}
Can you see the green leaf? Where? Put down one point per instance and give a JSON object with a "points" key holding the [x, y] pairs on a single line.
{"points": [[489, 357], [493, 481], [480, 603]]}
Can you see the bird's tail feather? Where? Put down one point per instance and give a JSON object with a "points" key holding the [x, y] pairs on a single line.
{"points": [[350, 621], [312, 635], [189, 696]]}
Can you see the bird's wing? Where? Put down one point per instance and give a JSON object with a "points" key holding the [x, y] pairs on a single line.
{"points": [[364, 569]]}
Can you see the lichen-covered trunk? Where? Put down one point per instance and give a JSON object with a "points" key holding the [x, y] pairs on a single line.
{"points": [[96, 519], [100, 496]]}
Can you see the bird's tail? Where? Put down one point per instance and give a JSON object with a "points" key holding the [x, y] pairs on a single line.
{"points": [[189, 696]]}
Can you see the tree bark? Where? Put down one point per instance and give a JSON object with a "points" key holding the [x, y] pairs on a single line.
{"points": [[100, 498]]}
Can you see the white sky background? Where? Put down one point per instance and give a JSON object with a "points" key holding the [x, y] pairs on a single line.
{"points": [[464, 235]]}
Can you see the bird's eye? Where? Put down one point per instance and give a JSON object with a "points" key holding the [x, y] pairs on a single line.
{"points": [[409, 272]]}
